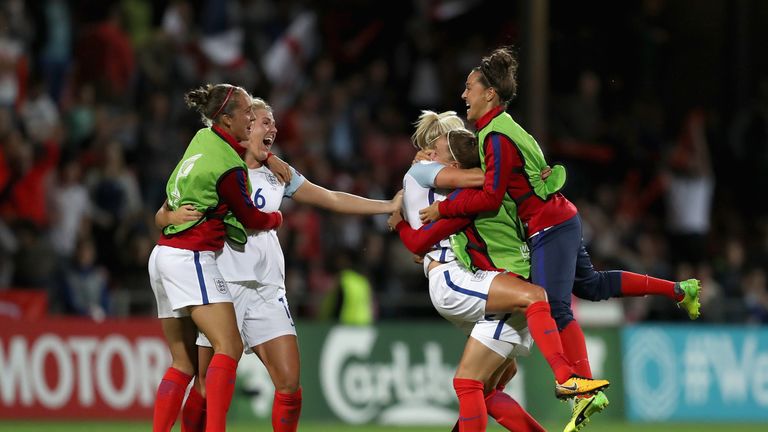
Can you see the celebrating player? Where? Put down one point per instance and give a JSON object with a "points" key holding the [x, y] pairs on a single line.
{"points": [[255, 273], [468, 298], [191, 294], [550, 223]]}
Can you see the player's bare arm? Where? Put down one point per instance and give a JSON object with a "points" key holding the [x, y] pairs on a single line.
{"points": [[453, 177], [186, 213], [342, 202]]}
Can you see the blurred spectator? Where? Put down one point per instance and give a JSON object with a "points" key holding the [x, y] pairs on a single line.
{"points": [[690, 187], [71, 208], [351, 302], [756, 291], [83, 283], [25, 178], [104, 57], [56, 53]]}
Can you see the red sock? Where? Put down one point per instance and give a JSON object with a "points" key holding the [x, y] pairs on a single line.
{"points": [[193, 414], [219, 387], [637, 285], [286, 410], [545, 334], [473, 416], [575, 348], [170, 393], [508, 413]]}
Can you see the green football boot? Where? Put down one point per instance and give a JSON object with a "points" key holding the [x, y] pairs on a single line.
{"points": [[583, 409], [691, 288]]}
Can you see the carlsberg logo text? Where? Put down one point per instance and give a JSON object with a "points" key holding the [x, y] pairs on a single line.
{"points": [[397, 391]]}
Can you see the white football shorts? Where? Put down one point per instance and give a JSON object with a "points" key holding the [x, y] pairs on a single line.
{"points": [[460, 296], [181, 278], [262, 314]]}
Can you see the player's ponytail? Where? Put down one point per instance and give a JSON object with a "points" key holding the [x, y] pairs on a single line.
{"points": [[212, 101]]}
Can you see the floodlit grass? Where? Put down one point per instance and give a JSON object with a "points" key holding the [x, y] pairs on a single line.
{"points": [[594, 426]]}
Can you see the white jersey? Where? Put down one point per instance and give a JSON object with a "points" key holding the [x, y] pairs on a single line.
{"points": [[419, 192], [260, 259]]}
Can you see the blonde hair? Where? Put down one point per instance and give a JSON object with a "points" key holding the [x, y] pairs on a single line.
{"points": [[258, 103], [432, 126]]}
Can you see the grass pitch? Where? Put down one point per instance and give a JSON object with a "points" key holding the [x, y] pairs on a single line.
{"points": [[595, 426]]}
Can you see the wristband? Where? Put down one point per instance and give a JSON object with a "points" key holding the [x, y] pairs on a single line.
{"points": [[269, 155]]}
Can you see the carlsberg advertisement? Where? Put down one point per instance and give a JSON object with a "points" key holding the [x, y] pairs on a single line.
{"points": [[397, 374]]}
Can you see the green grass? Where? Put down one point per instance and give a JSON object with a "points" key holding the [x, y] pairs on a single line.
{"points": [[594, 426]]}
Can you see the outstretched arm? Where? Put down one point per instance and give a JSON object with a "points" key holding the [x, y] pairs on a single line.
{"points": [[342, 202]]}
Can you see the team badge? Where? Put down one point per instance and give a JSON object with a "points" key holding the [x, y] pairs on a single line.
{"points": [[272, 179], [221, 285], [479, 275]]}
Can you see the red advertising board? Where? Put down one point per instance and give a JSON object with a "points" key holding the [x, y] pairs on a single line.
{"points": [[60, 368], [23, 304]]}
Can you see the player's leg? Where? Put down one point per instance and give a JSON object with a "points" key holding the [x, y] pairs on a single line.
{"points": [[510, 293], [476, 366], [193, 413], [281, 358], [553, 266], [503, 376], [217, 322], [180, 334], [601, 285], [508, 338], [270, 332], [561, 250]]}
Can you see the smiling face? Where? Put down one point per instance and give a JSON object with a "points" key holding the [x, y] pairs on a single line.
{"points": [[263, 132], [239, 121], [479, 98]]}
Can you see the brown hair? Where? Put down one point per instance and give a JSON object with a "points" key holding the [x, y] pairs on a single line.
{"points": [[213, 100], [499, 70], [463, 147]]}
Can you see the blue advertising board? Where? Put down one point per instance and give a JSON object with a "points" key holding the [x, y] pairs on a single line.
{"points": [[696, 372]]}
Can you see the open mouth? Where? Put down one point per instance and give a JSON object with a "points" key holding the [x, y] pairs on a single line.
{"points": [[268, 141]]}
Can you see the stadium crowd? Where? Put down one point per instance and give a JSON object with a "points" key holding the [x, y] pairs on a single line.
{"points": [[92, 122]]}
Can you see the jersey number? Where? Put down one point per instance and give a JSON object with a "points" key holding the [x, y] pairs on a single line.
{"points": [[259, 199]]}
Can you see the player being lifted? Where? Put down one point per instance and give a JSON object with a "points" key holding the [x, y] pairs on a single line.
{"points": [[467, 298]]}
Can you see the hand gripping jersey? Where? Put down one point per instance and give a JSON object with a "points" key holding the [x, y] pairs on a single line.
{"points": [[419, 192], [261, 259]]}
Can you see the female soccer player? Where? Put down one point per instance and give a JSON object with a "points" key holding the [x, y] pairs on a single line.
{"points": [[550, 223], [255, 274], [190, 291], [468, 298]]}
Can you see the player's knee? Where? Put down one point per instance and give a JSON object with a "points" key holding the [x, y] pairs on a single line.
{"points": [[287, 385], [232, 348], [532, 294], [537, 294]]}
